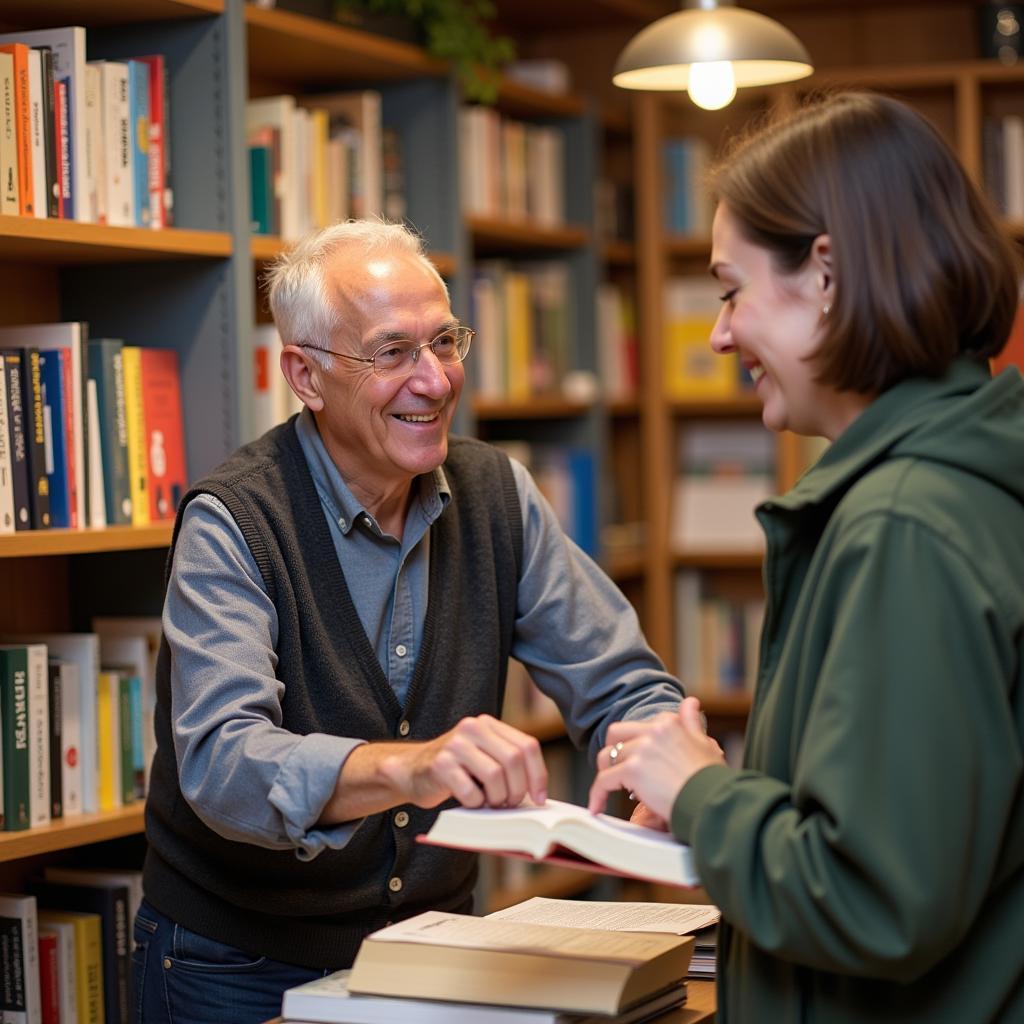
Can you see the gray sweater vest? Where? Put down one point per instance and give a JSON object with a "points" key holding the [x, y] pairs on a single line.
{"points": [[316, 913]]}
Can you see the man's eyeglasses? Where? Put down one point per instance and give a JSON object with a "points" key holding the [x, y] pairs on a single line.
{"points": [[397, 358]]}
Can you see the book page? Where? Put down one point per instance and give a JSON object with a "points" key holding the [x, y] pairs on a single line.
{"points": [[435, 928], [671, 918]]}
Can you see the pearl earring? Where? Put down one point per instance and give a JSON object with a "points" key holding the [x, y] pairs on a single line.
{"points": [[826, 309]]}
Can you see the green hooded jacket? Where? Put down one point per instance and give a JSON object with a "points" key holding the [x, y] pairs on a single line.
{"points": [[868, 858]]}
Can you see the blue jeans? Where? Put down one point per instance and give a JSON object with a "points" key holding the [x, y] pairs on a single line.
{"points": [[179, 977]]}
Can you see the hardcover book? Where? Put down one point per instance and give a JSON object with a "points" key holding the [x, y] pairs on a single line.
{"points": [[566, 834], [478, 960]]}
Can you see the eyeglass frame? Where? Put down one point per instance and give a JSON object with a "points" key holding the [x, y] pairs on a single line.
{"points": [[414, 352]]}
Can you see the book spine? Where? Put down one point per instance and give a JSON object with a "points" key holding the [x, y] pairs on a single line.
{"points": [[6, 466], [19, 960], [106, 368], [38, 736], [51, 131], [159, 194], [138, 467], [14, 732], [18, 442], [125, 738], [108, 741], [55, 725], [71, 738], [35, 433], [22, 127], [49, 978], [37, 128], [138, 100], [62, 135], [164, 431], [55, 432], [9, 203], [93, 148]]}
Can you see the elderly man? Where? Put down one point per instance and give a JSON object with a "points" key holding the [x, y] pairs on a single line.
{"points": [[343, 597]]}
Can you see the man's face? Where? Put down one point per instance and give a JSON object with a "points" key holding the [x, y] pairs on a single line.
{"points": [[383, 433]]}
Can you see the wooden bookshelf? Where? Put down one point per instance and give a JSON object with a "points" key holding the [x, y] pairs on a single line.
{"points": [[491, 235], [286, 47], [103, 12], [747, 560], [67, 833], [540, 407], [27, 543], [68, 241], [520, 100], [619, 254]]}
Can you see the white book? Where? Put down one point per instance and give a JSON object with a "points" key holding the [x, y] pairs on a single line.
{"points": [[68, 46], [94, 459], [9, 202], [117, 143], [73, 335], [19, 959], [328, 1001], [38, 129], [6, 478], [38, 736], [70, 737], [67, 970], [84, 650], [598, 841], [93, 150]]}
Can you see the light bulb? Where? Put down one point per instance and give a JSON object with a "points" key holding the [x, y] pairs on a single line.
{"points": [[712, 84]]}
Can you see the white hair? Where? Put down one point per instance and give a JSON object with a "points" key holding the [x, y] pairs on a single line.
{"points": [[303, 309]]}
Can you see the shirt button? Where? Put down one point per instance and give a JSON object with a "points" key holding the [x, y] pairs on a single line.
{"points": [[403, 728], [342, 523], [395, 884], [401, 650], [167, 964], [402, 819]]}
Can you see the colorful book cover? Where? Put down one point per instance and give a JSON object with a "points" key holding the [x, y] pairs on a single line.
{"points": [[138, 467], [22, 126], [14, 361], [14, 729], [138, 115], [164, 431], [106, 368]]}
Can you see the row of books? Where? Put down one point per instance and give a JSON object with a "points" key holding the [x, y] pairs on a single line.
{"points": [[618, 350], [567, 477], [522, 314], [91, 431], [718, 638], [687, 203], [692, 370], [65, 952], [510, 169], [723, 471], [82, 140], [319, 159], [76, 720]]}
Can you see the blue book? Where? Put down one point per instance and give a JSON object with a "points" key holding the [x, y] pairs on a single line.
{"points": [[584, 500], [51, 375], [138, 122]]}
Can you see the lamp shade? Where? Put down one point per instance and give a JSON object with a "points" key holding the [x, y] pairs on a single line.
{"points": [[760, 50]]}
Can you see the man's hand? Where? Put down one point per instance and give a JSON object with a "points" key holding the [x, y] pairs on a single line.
{"points": [[481, 762], [654, 758]]}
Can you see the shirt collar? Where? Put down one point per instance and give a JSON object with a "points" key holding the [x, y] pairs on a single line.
{"points": [[433, 492]]}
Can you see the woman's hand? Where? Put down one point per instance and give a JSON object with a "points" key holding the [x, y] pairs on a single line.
{"points": [[654, 758]]}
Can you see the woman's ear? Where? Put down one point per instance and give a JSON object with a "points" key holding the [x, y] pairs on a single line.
{"points": [[821, 264], [301, 373]]}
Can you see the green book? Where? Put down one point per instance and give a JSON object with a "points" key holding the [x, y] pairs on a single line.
{"points": [[14, 736], [106, 368]]}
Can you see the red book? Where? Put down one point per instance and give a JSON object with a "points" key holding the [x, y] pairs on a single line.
{"points": [[165, 435], [48, 977], [159, 196], [60, 143], [23, 127], [67, 383]]}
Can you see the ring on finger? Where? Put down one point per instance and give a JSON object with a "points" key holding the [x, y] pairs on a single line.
{"points": [[613, 752]]}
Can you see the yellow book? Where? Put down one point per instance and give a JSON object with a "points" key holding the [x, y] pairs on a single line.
{"points": [[88, 968], [108, 740], [135, 421], [692, 369], [518, 335], [319, 129]]}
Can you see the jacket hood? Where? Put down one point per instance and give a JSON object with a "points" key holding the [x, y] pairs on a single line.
{"points": [[966, 419]]}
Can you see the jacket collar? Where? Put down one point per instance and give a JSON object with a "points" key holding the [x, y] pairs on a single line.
{"points": [[883, 424]]}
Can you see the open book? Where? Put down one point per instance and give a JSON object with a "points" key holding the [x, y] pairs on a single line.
{"points": [[479, 960], [566, 834]]}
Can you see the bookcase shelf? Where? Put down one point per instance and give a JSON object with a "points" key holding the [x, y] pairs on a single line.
{"points": [[619, 254], [751, 560], [541, 407], [67, 833], [287, 47], [490, 235], [67, 241], [104, 12], [522, 101], [31, 543]]}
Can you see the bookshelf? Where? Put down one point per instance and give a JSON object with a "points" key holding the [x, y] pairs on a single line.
{"points": [[179, 288]]}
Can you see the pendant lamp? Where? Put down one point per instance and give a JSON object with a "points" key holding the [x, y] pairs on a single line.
{"points": [[711, 48]]}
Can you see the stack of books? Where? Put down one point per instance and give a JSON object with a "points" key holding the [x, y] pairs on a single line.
{"points": [[454, 967]]}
